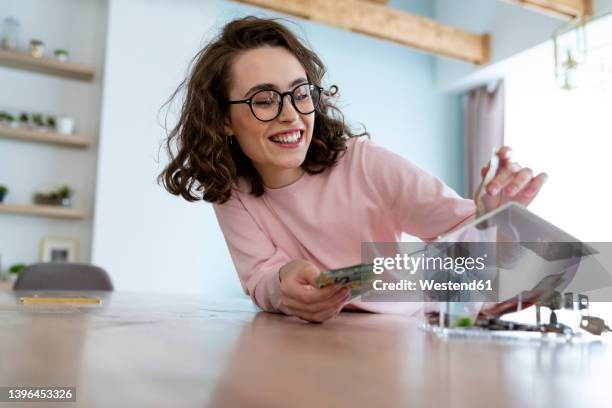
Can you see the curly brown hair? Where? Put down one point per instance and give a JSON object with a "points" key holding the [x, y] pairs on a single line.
{"points": [[201, 160]]}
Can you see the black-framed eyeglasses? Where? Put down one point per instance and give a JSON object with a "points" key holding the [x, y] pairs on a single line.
{"points": [[267, 104]]}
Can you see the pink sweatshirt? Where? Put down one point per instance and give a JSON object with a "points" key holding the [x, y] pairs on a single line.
{"points": [[371, 195]]}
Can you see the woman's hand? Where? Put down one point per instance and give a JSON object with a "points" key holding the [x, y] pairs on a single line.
{"points": [[303, 298], [511, 183]]}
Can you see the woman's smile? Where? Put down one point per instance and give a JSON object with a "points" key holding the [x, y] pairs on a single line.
{"points": [[288, 139]]}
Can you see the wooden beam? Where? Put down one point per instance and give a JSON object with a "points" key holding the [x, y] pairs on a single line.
{"points": [[559, 8], [390, 24], [381, 2]]}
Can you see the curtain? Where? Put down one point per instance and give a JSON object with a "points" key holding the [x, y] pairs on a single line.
{"points": [[483, 109]]}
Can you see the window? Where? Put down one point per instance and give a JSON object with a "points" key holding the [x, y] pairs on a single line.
{"points": [[569, 136]]}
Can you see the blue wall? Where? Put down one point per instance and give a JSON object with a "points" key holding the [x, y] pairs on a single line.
{"points": [[388, 88]]}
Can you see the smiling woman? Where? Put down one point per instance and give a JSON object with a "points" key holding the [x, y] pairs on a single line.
{"points": [[294, 190]]}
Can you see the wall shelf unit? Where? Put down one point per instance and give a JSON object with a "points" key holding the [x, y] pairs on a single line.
{"points": [[33, 135], [50, 66], [43, 211]]}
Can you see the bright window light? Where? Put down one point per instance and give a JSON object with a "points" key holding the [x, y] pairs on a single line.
{"points": [[569, 136]]}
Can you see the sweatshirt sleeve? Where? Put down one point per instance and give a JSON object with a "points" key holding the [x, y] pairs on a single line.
{"points": [[256, 259], [419, 203]]}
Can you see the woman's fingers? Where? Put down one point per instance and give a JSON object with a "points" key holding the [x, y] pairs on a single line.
{"points": [[518, 181], [511, 183], [305, 293], [330, 303], [320, 311], [484, 170], [301, 285], [505, 153], [324, 316], [502, 178], [302, 297], [527, 194], [316, 317]]}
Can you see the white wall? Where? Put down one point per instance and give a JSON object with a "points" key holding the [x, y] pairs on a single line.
{"points": [[78, 26], [148, 239], [152, 241], [513, 30]]}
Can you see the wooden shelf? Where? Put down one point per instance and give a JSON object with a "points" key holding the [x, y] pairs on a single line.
{"points": [[50, 66], [43, 211], [34, 135]]}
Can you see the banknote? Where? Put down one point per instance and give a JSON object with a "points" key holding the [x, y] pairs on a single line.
{"points": [[356, 277]]}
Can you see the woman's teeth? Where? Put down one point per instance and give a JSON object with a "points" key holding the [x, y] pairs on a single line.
{"points": [[287, 138]]}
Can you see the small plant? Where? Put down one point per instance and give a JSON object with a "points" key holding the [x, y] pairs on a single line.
{"points": [[61, 53], [17, 268], [3, 191], [37, 119], [64, 192], [6, 117], [464, 321], [61, 196], [51, 122]]}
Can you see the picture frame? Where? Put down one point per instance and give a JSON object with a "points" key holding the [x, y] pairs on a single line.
{"points": [[58, 249]]}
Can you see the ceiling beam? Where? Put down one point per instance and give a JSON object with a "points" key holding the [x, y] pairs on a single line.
{"points": [[559, 8], [381, 2], [390, 24]]}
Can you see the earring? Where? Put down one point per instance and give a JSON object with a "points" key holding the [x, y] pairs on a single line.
{"points": [[230, 140]]}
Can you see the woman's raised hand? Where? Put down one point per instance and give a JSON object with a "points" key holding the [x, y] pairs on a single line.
{"points": [[511, 182]]}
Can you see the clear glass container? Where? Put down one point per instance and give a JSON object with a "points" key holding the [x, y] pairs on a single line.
{"points": [[10, 34]]}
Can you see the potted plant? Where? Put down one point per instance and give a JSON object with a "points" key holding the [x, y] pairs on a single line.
{"points": [[3, 191], [61, 54], [37, 120], [64, 194], [24, 119], [61, 196], [7, 119], [51, 122], [15, 270], [12, 120]]}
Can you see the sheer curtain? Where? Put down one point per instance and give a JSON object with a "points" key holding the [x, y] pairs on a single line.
{"points": [[483, 109]]}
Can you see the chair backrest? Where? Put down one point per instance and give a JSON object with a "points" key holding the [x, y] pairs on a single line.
{"points": [[63, 276]]}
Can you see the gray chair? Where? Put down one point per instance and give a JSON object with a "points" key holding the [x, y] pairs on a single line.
{"points": [[63, 276]]}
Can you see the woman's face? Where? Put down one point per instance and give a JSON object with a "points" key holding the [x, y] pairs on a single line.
{"points": [[277, 148]]}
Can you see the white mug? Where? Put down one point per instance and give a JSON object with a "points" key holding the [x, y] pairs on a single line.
{"points": [[65, 125]]}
